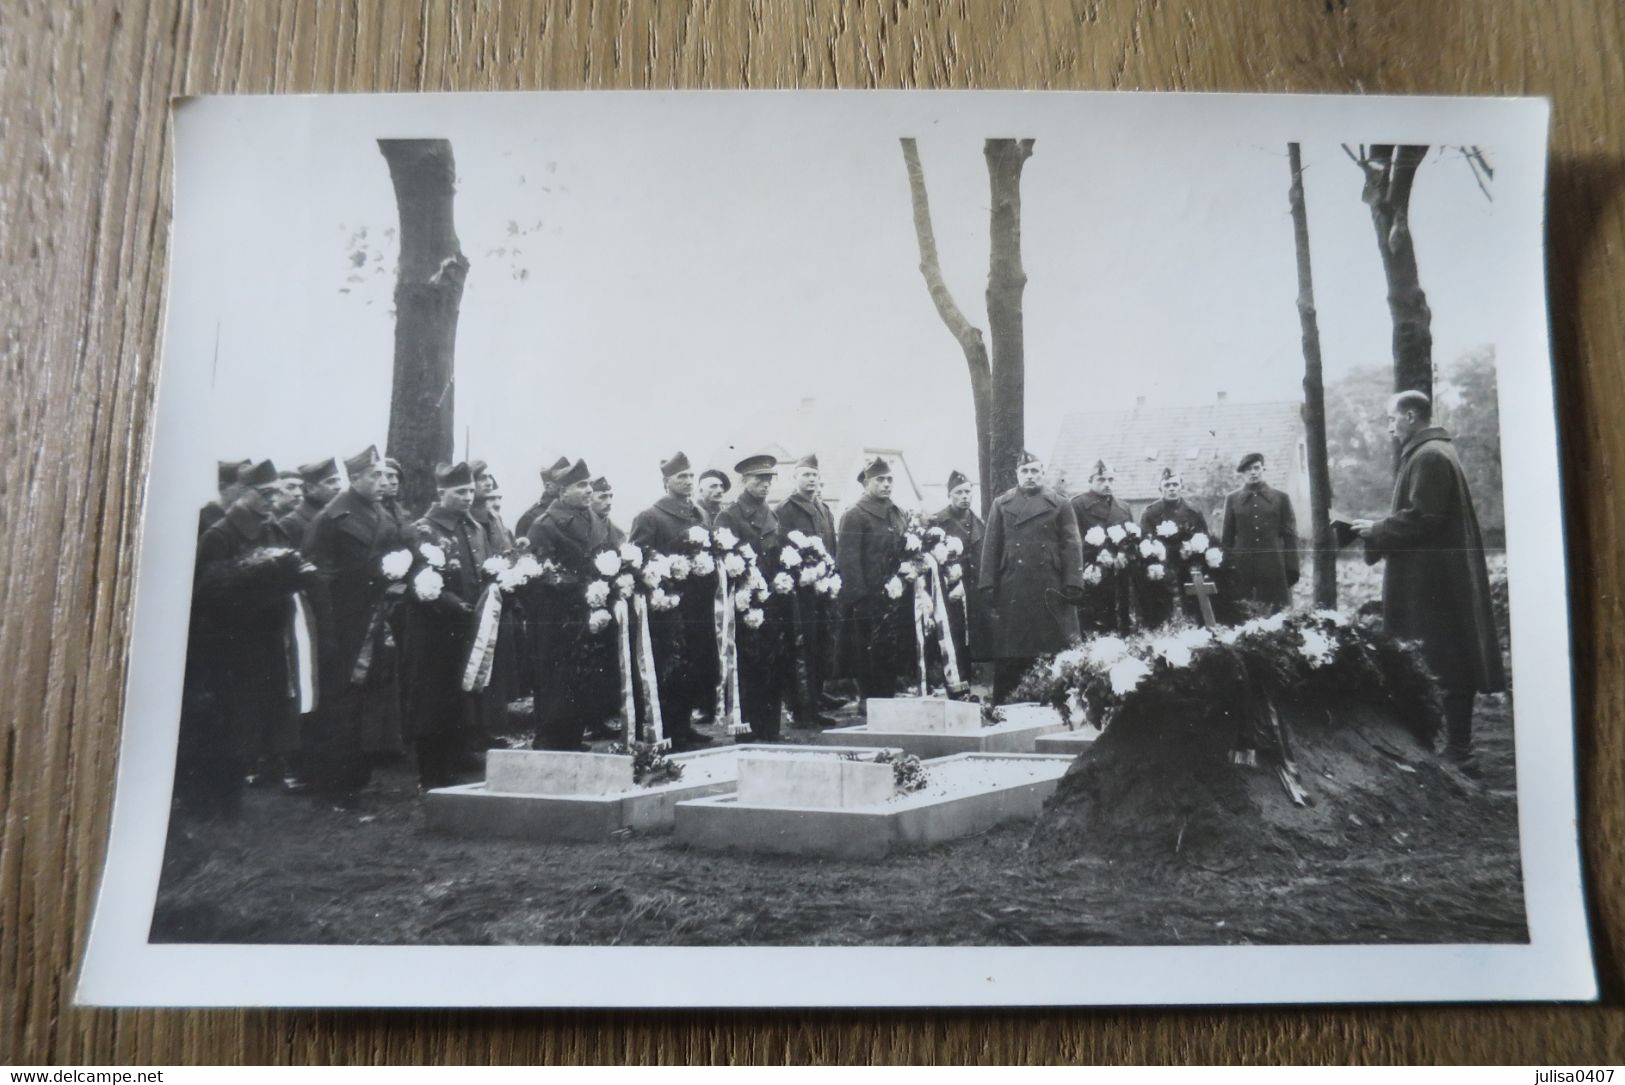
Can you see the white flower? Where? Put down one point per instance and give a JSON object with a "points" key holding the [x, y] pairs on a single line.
{"points": [[797, 538], [678, 566], [1154, 571], [1102, 652], [698, 536], [494, 566], [624, 584], [742, 600], [940, 553], [1316, 648], [956, 545], [1274, 623], [955, 572], [432, 554], [1069, 658], [816, 545], [1214, 556], [733, 565], [396, 563], [1131, 527], [1172, 650], [725, 538], [1167, 528], [1076, 707], [958, 592], [908, 572], [652, 575], [659, 599], [894, 588], [1336, 617], [1149, 548], [704, 565], [597, 593], [1227, 636], [911, 542], [748, 552], [821, 570], [1126, 675], [1095, 536], [833, 584], [1195, 636], [759, 594], [1116, 533], [598, 620], [790, 555], [1199, 542], [631, 555], [608, 562], [528, 566], [784, 583], [1121, 560], [427, 585], [808, 576], [754, 617], [1092, 574], [758, 582]]}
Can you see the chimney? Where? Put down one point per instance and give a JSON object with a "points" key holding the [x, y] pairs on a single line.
{"points": [[1223, 396]]}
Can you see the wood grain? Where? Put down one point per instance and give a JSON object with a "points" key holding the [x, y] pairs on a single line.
{"points": [[84, 206]]}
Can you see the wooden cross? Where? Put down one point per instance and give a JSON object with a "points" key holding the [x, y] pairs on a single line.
{"points": [[1201, 587]]}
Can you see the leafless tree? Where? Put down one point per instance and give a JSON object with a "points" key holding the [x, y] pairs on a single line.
{"points": [[998, 379], [1314, 398]]}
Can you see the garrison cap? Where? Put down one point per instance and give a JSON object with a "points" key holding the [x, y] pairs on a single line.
{"points": [[674, 466], [956, 479], [809, 460], [449, 476], [319, 472], [1026, 458], [259, 474], [229, 470], [572, 474], [1100, 470], [600, 485], [877, 467], [363, 460]]}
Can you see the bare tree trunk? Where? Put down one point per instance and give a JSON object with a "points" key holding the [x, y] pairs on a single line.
{"points": [[1314, 399], [428, 292], [1006, 282], [1390, 173], [968, 335]]}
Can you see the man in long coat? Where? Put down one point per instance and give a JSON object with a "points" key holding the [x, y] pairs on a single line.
{"points": [[228, 487], [603, 503], [437, 635], [1260, 540], [242, 699], [967, 616], [1157, 597], [1032, 569], [550, 494], [709, 490], [685, 639], [577, 676], [764, 657], [874, 633], [509, 678], [1436, 586], [1107, 607], [320, 483], [359, 713], [811, 640]]}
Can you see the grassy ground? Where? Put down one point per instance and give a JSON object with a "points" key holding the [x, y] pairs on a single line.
{"points": [[296, 870]]}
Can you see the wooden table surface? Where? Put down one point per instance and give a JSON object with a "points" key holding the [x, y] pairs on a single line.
{"points": [[84, 208]]}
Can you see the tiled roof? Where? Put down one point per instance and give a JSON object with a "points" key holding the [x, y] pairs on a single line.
{"points": [[1139, 442]]}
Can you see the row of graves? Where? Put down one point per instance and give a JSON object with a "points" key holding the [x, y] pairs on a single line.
{"points": [[1120, 738]]}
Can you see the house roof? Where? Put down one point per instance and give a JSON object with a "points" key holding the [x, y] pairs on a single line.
{"points": [[1139, 442]]}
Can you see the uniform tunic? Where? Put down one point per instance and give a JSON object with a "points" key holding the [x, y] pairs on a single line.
{"points": [[296, 525], [1260, 540], [812, 630], [346, 543], [764, 659], [1107, 607], [972, 637], [1031, 554], [685, 641], [436, 638], [874, 634], [577, 675], [1436, 586]]}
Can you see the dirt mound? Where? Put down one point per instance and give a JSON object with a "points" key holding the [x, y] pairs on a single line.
{"points": [[1160, 785]]}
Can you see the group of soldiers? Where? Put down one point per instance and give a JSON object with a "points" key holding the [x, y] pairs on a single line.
{"points": [[298, 674]]}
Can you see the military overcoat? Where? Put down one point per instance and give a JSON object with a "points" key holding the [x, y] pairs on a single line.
{"points": [[1030, 556]]}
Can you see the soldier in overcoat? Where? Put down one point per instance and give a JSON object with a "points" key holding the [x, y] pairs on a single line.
{"points": [[1260, 540], [603, 503], [811, 637], [1107, 607], [576, 672], [550, 494], [1156, 598], [228, 487], [1032, 571], [241, 704], [319, 484], [685, 643], [507, 671], [874, 636], [359, 716], [764, 657], [967, 616], [436, 635], [1436, 587], [709, 490]]}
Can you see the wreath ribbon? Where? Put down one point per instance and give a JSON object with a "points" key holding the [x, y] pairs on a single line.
{"points": [[302, 684], [727, 699], [646, 673], [482, 648]]}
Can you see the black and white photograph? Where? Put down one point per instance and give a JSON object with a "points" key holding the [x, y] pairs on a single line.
{"points": [[752, 549]]}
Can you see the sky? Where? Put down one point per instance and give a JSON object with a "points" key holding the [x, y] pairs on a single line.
{"points": [[660, 272]]}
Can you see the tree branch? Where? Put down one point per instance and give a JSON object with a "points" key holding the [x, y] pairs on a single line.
{"points": [[969, 336]]}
